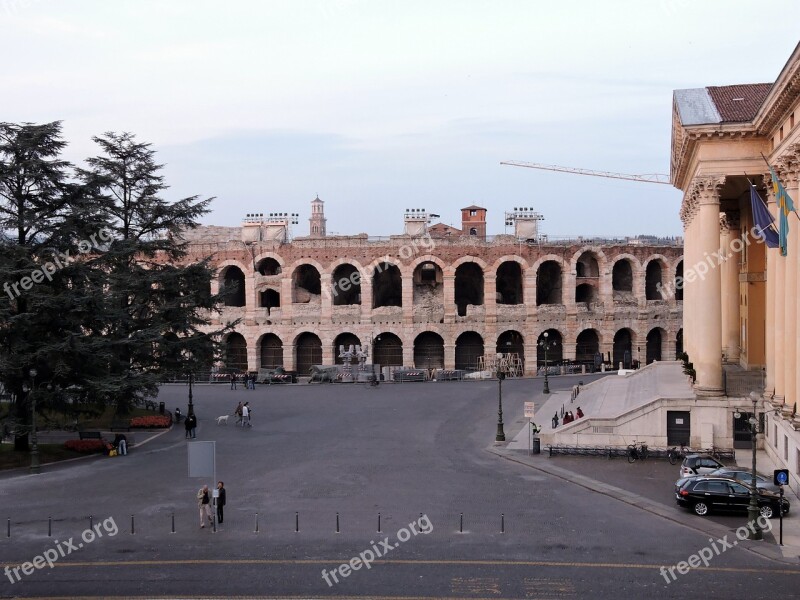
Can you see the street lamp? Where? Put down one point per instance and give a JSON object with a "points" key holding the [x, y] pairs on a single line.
{"points": [[501, 435], [35, 466], [546, 345], [754, 531], [190, 411]]}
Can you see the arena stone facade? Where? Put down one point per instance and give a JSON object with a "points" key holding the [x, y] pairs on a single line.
{"points": [[432, 300]]}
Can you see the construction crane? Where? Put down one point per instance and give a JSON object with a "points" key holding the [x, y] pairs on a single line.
{"points": [[649, 178]]}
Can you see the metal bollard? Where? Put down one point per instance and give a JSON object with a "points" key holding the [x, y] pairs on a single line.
{"points": [[296, 522], [8, 528], [502, 523], [90, 522], [173, 523], [49, 526], [133, 526], [256, 529], [379, 522], [461, 523], [337, 522]]}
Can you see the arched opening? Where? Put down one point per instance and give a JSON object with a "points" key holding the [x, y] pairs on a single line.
{"points": [[271, 352], [308, 349], [387, 286], [306, 285], [653, 282], [623, 349], [346, 340], [387, 350], [654, 340], [346, 285], [548, 283], [473, 231], [679, 282], [509, 283], [585, 292], [555, 348], [233, 286], [469, 346], [270, 298], [429, 351], [468, 286], [587, 266], [236, 352], [269, 267], [587, 347], [622, 280], [679, 343], [512, 342], [428, 289]]}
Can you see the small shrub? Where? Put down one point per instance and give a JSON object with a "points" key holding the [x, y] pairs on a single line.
{"points": [[152, 422], [84, 446]]}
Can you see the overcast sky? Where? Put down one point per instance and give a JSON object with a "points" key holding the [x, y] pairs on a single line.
{"points": [[381, 106]]}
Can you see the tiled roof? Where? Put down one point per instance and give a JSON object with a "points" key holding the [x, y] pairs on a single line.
{"points": [[473, 207], [738, 103]]}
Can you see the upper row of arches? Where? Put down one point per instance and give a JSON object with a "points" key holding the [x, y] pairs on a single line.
{"points": [[630, 279]]}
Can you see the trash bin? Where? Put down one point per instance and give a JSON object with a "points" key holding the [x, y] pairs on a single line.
{"points": [[161, 408], [537, 446]]}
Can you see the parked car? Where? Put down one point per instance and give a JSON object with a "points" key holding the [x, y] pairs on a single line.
{"points": [[699, 464], [746, 477], [705, 494]]}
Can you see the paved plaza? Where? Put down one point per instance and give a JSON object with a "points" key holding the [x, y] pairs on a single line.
{"points": [[529, 528]]}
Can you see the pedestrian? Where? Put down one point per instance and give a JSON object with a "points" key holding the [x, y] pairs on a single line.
{"points": [[555, 420], [246, 415], [121, 444], [220, 501], [579, 413], [238, 413], [177, 415], [187, 424], [204, 504], [191, 425], [252, 381], [233, 381]]}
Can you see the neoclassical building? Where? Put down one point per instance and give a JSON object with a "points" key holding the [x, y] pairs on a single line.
{"points": [[742, 299], [438, 296]]}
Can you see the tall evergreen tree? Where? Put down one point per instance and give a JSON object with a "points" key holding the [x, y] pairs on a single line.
{"points": [[155, 303], [43, 216]]}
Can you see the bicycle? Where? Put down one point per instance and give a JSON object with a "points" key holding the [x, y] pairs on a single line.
{"points": [[636, 451], [674, 455]]}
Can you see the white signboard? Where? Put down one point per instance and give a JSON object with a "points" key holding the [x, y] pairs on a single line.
{"points": [[202, 459], [530, 408]]}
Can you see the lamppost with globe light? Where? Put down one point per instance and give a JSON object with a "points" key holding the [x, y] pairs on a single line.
{"points": [[546, 345], [501, 435], [754, 531]]}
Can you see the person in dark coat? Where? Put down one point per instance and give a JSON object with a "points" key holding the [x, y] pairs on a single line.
{"points": [[191, 426], [187, 423], [220, 501]]}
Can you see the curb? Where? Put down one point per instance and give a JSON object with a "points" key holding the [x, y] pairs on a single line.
{"points": [[770, 552]]}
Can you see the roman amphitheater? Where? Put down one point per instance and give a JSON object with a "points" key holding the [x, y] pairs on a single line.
{"points": [[437, 296]]}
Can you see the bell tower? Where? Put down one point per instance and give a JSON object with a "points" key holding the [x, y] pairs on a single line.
{"points": [[317, 220]]}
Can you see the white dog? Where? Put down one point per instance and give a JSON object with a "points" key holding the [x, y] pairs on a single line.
{"points": [[222, 420]]}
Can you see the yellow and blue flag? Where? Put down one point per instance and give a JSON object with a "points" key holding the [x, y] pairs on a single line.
{"points": [[785, 206]]}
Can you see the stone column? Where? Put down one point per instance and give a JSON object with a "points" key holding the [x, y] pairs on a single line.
{"points": [[490, 297], [792, 184], [449, 356], [366, 297], [729, 272], [449, 296], [687, 213], [326, 300], [708, 325], [769, 342], [780, 303]]}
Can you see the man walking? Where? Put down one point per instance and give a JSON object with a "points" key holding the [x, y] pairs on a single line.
{"points": [[233, 381], [220, 501], [246, 415], [204, 504], [191, 426]]}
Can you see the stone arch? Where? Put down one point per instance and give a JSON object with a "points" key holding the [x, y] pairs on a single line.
{"points": [[657, 338], [550, 283], [469, 346], [587, 346], [555, 347], [268, 264], [345, 339], [429, 350], [235, 357], [270, 351], [451, 269], [233, 285], [387, 284], [469, 286], [269, 297], [588, 263], [510, 281], [656, 269], [346, 278], [308, 352], [306, 283], [678, 281], [511, 341], [387, 349], [624, 342]]}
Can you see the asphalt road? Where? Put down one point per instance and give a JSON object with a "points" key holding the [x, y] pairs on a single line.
{"points": [[315, 451]]}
